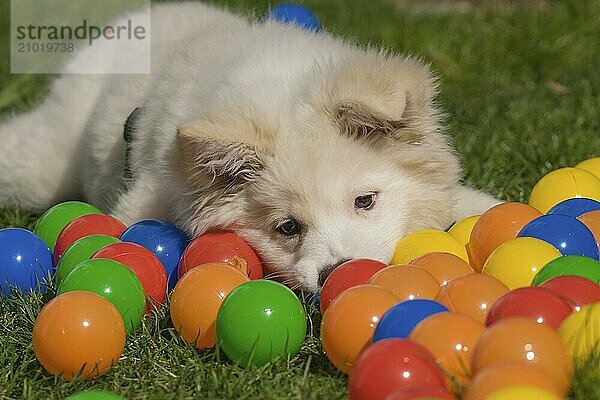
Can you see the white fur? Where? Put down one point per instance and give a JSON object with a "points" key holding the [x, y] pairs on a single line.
{"points": [[265, 114]]}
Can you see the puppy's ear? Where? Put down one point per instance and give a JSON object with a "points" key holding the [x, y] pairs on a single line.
{"points": [[388, 99], [221, 151]]}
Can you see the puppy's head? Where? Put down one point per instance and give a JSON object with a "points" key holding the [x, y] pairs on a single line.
{"points": [[344, 167]]}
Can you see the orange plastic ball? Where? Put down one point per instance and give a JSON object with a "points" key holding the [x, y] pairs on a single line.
{"points": [[451, 338], [591, 219], [349, 322], [499, 376], [524, 340], [196, 300], [407, 282], [443, 266], [497, 225], [78, 332], [472, 295]]}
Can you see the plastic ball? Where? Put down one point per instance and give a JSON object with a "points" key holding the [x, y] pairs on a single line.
{"points": [[569, 266], [420, 392], [348, 324], [539, 304], [144, 264], [524, 340], [496, 226], [443, 266], [576, 290], [25, 261], [259, 321], [393, 364], [472, 295], [516, 261], [351, 273], [581, 332], [295, 14], [113, 281], [86, 225], [221, 247], [592, 221], [78, 331], [500, 376], [400, 320], [521, 392], [451, 338], [94, 395], [591, 165], [575, 207], [82, 250], [407, 282], [569, 235], [427, 241], [563, 184], [53, 221], [165, 240], [196, 300], [461, 230]]}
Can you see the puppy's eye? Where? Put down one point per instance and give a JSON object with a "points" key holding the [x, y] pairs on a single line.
{"points": [[366, 201], [289, 227]]}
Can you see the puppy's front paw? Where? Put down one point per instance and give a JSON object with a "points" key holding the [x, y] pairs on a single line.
{"points": [[143, 201], [472, 202]]}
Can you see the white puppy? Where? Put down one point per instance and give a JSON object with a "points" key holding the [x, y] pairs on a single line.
{"points": [[313, 149]]}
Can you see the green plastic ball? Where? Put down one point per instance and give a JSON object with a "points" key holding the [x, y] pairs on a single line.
{"points": [[259, 321], [94, 395], [52, 222], [113, 281], [584, 267], [81, 250]]}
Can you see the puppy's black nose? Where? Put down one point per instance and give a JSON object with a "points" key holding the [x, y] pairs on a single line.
{"points": [[324, 273]]}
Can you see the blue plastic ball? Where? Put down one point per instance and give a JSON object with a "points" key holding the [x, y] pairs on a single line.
{"points": [[567, 234], [314, 299], [575, 207], [295, 14], [400, 320], [162, 238], [25, 261]]}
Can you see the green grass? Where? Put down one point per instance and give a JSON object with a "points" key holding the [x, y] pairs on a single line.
{"points": [[522, 91]]}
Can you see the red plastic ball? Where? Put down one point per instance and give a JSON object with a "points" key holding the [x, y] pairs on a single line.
{"points": [[539, 304], [390, 365], [146, 266], [224, 247], [577, 290], [351, 273], [86, 225], [423, 392]]}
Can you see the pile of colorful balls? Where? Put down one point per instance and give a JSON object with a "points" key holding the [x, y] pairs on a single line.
{"points": [[108, 277], [499, 307]]}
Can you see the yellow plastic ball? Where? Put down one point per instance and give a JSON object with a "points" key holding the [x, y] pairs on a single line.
{"points": [[521, 392], [516, 261], [428, 241], [591, 165], [461, 230], [581, 331], [563, 184]]}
